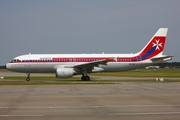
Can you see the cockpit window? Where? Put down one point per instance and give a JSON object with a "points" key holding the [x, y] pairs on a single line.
{"points": [[15, 60]]}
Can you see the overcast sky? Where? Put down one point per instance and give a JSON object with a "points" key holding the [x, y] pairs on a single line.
{"points": [[85, 26]]}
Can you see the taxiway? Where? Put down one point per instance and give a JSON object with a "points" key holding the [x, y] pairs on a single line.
{"points": [[127, 101]]}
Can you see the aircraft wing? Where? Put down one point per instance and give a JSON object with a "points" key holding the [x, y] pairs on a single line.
{"points": [[91, 65]]}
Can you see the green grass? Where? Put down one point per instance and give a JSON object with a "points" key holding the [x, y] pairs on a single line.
{"points": [[49, 81], [173, 73], [37, 78], [52, 80]]}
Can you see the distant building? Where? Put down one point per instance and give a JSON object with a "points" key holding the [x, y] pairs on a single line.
{"points": [[152, 67]]}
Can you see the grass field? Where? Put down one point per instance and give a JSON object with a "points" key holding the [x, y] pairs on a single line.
{"points": [[173, 73], [48, 80]]}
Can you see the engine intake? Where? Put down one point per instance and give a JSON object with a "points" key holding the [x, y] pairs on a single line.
{"points": [[64, 72]]}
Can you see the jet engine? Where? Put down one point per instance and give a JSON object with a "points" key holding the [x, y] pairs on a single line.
{"points": [[64, 72]]}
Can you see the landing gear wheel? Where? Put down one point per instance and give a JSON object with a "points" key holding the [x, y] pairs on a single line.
{"points": [[82, 78], [27, 79], [85, 78]]}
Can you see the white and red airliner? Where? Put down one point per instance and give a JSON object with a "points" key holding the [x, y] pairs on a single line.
{"points": [[67, 65]]}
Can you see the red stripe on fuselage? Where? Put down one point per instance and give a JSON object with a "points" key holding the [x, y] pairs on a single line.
{"points": [[89, 59]]}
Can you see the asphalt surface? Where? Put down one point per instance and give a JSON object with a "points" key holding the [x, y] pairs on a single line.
{"points": [[126, 101], [4, 74]]}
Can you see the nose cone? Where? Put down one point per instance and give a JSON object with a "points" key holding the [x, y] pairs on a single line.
{"points": [[9, 66]]}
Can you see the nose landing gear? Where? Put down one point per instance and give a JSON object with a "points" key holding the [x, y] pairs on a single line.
{"points": [[28, 77]]}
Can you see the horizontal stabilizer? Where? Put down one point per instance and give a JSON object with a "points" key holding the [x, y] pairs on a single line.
{"points": [[161, 59]]}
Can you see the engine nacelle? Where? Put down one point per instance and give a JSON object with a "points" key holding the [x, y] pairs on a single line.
{"points": [[64, 72]]}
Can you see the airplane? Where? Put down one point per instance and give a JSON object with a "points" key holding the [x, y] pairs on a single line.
{"points": [[68, 65]]}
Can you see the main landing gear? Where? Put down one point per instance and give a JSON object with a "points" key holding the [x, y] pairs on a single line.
{"points": [[85, 78], [28, 77]]}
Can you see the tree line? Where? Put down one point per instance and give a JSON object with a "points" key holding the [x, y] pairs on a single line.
{"points": [[169, 64]]}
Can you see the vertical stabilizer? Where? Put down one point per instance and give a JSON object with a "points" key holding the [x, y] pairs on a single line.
{"points": [[155, 46]]}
